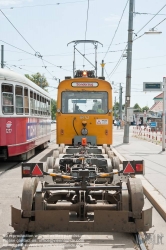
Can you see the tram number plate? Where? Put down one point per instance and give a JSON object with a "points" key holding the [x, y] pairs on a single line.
{"points": [[101, 121]]}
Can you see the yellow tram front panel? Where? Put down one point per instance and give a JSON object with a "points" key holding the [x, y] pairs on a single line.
{"points": [[80, 100]]}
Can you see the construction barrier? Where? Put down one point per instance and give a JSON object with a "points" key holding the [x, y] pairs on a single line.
{"points": [[146, 133]]}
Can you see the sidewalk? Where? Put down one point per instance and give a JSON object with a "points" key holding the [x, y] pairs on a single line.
{"points": [[137, 149]]}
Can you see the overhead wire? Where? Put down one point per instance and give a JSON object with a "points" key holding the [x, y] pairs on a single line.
{"points": [[121, 57], [86, 27], [17, 30], [150, 20], [37, 54], [43, 5], [116, 28], [159, 23], [148, 14]]}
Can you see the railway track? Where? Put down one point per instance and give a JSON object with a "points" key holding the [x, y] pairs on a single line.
{"points": [[72, 241]]}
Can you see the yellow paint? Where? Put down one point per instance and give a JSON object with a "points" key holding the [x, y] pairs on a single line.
{"points": [[65, 131]]}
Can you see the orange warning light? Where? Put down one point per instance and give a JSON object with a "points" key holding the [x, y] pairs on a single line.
{"points": [[139, 167], [84, 73], [84, 142]]}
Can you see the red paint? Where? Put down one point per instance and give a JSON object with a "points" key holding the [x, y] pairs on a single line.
{"points": [[37, 171], [14, 133]]}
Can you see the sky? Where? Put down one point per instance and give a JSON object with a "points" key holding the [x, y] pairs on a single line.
{"points": [[46, 27]]}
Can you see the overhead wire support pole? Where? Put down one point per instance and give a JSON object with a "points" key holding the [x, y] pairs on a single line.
{"points": [[120, 101], [2, 56], [128, 70]]}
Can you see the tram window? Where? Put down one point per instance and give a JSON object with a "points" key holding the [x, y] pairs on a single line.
{"points": [[45, 108], [31, 102], [19, 99], [38, 105], [91, 102], [39, 111], [26, 101], [48, 107], [7, 99], [35, 103]]}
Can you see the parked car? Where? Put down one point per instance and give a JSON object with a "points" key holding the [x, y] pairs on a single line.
{"points": [[53, 121]]}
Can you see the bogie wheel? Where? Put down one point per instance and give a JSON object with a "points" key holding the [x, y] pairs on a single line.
{"points": [[39, 198], [124, 198], [50, 162], [116, 162], [103, 150], [55, 154], [136, 196], [56, 165], [62, 145], [29, 188], [45, 167], [107, 149], [110, 154], [64, 151], [109, 165], [105, 156], [60, 150]]}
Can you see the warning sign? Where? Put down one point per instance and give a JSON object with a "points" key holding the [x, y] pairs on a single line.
{"points": [[101, 121], [37, 171], [129, 169]]}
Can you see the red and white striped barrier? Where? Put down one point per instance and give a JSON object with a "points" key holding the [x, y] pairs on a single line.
{"points": [[146, 133]]}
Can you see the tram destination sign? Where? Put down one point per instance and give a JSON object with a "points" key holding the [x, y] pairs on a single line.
{"points": [[152, 86]]}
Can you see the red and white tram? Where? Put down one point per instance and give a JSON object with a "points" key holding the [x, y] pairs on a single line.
{"points": [[25, 116]]}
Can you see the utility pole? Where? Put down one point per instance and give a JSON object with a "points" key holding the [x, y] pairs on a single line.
{"points": [[2, 56], [120, 101], [128, 70]]}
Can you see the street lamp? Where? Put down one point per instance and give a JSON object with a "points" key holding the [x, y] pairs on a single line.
{"points": [[152, 32]]}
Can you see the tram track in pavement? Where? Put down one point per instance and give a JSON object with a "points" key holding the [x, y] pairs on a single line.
{"points": [[28, 240]]}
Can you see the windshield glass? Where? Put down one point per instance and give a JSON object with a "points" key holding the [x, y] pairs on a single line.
{"points": [[85, 102]]}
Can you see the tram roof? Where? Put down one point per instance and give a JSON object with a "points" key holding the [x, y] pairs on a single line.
{"points": [[16, 77]]}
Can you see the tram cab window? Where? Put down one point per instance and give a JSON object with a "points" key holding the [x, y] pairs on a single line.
{"points": [[31, 103], [7, 99], [19, 99], [26, 101], [89, 102]]}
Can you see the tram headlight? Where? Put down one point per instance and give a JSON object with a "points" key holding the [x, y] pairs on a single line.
{"points": [[84, 131], [110, 110], [58, 110]]}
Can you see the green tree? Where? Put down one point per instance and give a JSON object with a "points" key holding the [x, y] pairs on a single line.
{"points": [[53, 109], [116, 110], [137, 108], [39, 79], [145, 108]]}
